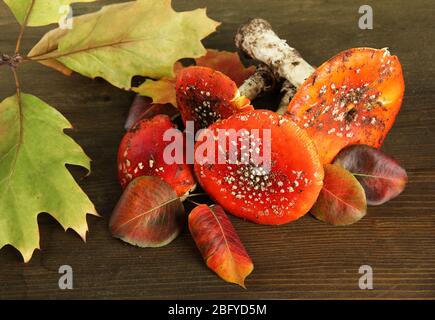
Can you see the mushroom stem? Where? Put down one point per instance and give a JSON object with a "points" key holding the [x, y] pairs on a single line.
{"points": [[262, 80], [288, 91], [258, 40]]}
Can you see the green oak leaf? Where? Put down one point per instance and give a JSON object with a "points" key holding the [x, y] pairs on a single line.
{"points": [[41, 12], [33, 178], [143, 38]]}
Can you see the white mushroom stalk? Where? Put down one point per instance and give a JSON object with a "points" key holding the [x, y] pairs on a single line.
{"points": [[257, 39], [262, 80], [287, 91]]}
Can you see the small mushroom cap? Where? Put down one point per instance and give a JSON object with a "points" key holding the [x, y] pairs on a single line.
{"points": [[205, 96], [141, 153]]}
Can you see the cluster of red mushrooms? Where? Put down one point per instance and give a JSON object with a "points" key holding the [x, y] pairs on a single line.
{"points": [[351, 99]]}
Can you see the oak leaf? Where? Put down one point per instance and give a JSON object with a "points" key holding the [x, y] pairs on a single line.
{"points": [[137, 38], [40, 12], [33, 178]]}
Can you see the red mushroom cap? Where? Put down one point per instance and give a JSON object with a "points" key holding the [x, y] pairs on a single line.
{"points": [[280, 195], [205, 96], [353, 98], [141, 153]]}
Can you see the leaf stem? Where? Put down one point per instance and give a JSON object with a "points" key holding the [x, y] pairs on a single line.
{"points": [[194, 202], [148, 211], [162, 205], [20, 138], [23, 27], [372, 176], [197, 194], [18, 92], [56, 54], [17, 82]]}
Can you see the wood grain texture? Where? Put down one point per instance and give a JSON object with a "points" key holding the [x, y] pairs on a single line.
{"points": [[304, 259]]}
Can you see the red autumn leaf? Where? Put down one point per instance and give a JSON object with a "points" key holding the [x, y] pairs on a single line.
{"points": [[219, 244], [228, 63], [144, 108], [342, 200], [380, 175], [149, 213]]}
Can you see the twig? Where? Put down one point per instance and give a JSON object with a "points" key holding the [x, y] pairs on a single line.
{"points": [[21, 133], [18, 92], [4, 59], [23, 27], [17, 82]]}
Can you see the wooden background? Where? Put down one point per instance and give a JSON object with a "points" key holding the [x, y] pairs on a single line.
{"points": [[304, 259]]}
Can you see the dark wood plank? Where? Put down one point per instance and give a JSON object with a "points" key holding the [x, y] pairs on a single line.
{"points": [[304, 259]]}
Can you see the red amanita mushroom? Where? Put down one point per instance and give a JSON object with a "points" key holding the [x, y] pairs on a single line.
{"points": [[206, 96], [353, 98], [141, 153], [242, 185]]}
